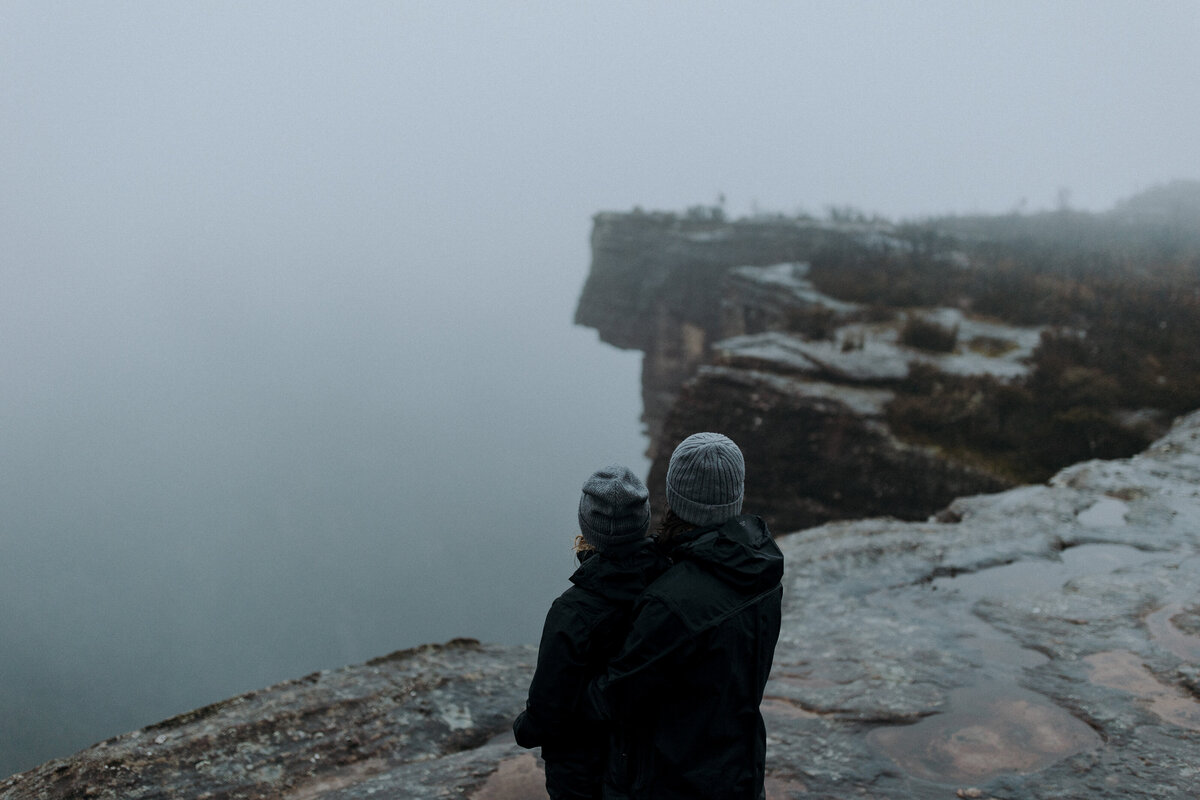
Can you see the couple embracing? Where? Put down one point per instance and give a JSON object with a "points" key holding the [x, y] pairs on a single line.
{"points": [[652, 665]]}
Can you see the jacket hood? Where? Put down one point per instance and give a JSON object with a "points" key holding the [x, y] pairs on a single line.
{"points": [[741, 552], [620, 575]]}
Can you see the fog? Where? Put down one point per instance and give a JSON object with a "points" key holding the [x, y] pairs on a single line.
{"points": [[288, 372]]}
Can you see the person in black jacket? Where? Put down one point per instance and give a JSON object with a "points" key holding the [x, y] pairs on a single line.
{"points": [[684, 692], [583, 630]]}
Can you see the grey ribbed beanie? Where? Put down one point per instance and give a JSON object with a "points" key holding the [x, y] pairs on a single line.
{"points": [[614, 508], [706, 479]]}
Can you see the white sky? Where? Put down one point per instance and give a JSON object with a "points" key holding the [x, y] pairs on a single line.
{"points": [[506, 108]]}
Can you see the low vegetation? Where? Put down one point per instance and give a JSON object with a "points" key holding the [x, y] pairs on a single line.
{"points": [[925, 334], [1118, 292]]}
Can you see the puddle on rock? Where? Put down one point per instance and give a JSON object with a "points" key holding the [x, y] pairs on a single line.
{"points": [[994, 727], [999, 652], [986, 733], [1165, 625], [1023, 578], [1123, 670]]}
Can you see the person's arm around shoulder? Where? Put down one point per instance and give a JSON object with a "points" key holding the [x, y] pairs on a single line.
{"points": [[656, 640]]}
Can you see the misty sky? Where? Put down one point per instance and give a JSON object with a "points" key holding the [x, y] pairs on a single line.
{"points": [[287, 374], [240, 117]]}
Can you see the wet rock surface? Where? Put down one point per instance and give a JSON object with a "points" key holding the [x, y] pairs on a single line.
{"points": [[412, 724], [1037, 643]]}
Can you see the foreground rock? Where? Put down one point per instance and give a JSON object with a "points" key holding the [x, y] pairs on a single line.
{"points": [[1061, 662], [1039, 643], [415, 724]]}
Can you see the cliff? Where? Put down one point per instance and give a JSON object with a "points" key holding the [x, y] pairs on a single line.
{"points": [[1037, 643], [655, 286], [646, 265], [737, 339]]}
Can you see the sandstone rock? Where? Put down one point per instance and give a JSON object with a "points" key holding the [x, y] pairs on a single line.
{"points": [[1065, 681], [772, 298], [412, 724], [874, 355], [871, 361]]}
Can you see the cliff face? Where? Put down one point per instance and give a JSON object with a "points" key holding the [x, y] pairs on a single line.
{"points": [[1038, 643], [655, 286], [648, 264], [739, 342], [815, 451]]}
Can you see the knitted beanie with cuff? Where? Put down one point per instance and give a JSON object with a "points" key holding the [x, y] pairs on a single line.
{"points": [[706, 479], [614, 508]]}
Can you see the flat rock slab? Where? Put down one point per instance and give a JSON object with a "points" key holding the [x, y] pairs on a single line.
{"points": [[1038, 643]]}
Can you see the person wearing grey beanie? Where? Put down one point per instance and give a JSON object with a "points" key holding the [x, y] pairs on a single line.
{"points": [[706, 479], [614, 508], [584, 629], [683, 693]]}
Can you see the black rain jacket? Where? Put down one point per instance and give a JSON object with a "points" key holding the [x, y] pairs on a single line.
{"points": [[584, 628], [684, 692]]}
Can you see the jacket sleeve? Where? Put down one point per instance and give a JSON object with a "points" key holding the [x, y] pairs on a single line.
{"points": [[526, 731], [559, 680], [657, 641]]}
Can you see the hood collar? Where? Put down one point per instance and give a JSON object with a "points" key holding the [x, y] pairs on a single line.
{"points": [[740, 551]]}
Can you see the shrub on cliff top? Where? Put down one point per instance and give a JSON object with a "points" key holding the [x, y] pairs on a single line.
{"points": [[925, 334]]}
